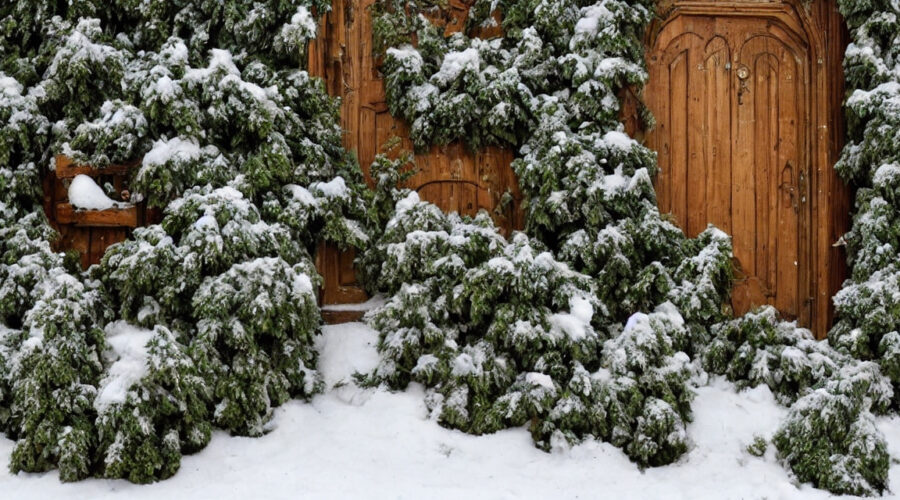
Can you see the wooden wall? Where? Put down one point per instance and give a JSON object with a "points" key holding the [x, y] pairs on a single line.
{"points": [[747, 97], [459, 180], [451, 176], [91, 232]]}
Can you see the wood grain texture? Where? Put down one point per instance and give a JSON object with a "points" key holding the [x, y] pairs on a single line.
{"points": [[450, 176], [66, 168], [113, 217], [747, 98], [91, 232]]}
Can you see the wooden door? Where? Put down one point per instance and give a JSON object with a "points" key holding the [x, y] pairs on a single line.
{"points": [[452, 177], [731, 96]]}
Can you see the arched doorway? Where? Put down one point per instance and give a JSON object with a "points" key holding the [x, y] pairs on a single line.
{"points": [[450, 176], [746, 97]]}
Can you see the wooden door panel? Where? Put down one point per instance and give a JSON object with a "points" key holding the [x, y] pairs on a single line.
{"points": [[691, 88], [732, 119], [769, 156], [452, 177], [674, 88], [716, 181]]}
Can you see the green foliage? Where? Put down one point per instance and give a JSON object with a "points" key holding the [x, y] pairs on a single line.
{"points": [[830, 439], [548, 88], [495, 91], [204, 233], [116, 136], [638, 400], [53, 380], [239, 288], [151, 405], [503, 335], [866, 307], [255, 328], [758, 447], [241, 148], [758, 348]]}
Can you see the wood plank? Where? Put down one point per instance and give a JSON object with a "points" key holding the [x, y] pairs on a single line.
{"points": [[679, 87], [696, 171], [338, 317], [67, 169], [114, 217], [718, 129]]}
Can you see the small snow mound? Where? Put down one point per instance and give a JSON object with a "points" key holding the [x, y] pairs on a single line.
{"points": [[335, 188], [86, 194], [582, 309], [179, 149], [407, 203], [634, 320], [541, 379], [619, 140], [671, 312], [455, 63]]}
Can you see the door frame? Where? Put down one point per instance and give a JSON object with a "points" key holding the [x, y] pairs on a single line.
{"points": [[829, 197]]}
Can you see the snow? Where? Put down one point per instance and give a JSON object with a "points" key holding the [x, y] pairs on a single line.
{"points": [[619, 140], [886, 174], [304, 20], [540, 379], [372, 443], [577, 323], [411, 58], [9, 86], [592, 17], [406, 204], [86, 194], [335, 188], [301, 194], [129, 346], [177, 148], [455, 63]]}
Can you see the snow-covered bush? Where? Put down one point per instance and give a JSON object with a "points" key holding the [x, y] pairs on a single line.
{"points": [[151, 404], [829, 437], [254, 341], [204, 233], [638, 400], [868, 306], [548, 88], [241, 148], [240, 290], [495, 91], [759, 348], [116, 136], [53, 379], [504, 335]]}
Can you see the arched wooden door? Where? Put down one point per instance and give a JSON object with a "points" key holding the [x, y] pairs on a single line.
{"points": [[737, 101], [452, 177]]}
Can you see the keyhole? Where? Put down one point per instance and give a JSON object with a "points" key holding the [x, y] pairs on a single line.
{"points": [[743, 73]]}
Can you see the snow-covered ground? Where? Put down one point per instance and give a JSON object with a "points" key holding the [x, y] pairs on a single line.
{"points": [[354, 443]]}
